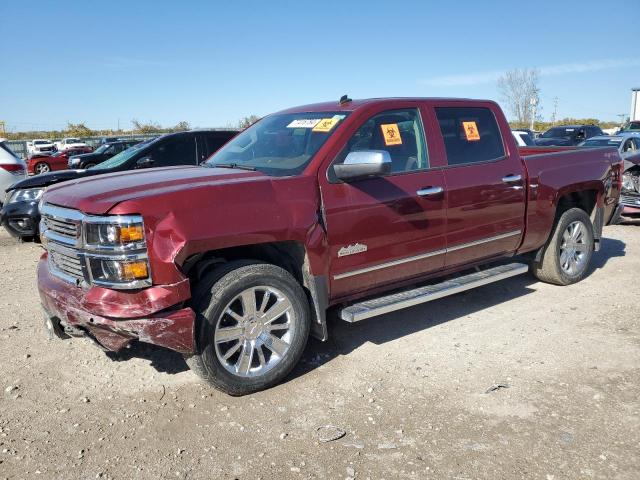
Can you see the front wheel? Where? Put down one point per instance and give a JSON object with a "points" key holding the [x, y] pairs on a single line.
{"points": [[567, 254], [253, 322], [42, 167], [89, 165]]}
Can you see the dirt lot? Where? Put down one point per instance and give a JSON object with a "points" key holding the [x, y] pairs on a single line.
{"points": [[408, 389]]}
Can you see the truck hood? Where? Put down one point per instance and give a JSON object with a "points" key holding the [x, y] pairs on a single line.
{"points": [[100, 194], [48, 179]]}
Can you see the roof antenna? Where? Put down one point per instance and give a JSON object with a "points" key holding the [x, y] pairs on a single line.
{"points": [[345, 99]]}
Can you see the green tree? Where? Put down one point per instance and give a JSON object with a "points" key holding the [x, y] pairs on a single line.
{"points": [[150, 127], [79, 130]]}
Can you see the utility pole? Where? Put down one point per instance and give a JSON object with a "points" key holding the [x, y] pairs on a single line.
{"points": [[622, 117], [555, 110]]}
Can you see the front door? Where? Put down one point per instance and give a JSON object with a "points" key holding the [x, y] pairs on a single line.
{"points": [[386, 229], [484, 186]]}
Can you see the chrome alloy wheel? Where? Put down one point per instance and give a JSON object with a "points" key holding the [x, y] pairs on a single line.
{"points": [[42, 168], [254, 332], [574, 248]]}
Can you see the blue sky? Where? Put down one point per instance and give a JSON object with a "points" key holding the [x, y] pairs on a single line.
{"points": [[211, 63]]}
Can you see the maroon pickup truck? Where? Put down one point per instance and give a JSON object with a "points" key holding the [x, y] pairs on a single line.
{"points": [[367, 206]]}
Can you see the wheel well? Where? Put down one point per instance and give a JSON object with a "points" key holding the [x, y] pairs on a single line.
{"points": [[585, 200], [289, 255]]}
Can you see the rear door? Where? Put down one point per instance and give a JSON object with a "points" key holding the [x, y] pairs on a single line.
{"points": [[484, 185], [386, 229]]}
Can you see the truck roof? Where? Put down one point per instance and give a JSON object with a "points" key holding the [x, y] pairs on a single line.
{"points": [[352, 105]]}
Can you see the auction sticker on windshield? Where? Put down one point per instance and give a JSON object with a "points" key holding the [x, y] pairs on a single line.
{"points": [[304, 123], [326, 124]]}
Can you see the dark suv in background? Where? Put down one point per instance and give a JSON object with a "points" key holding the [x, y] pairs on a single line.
{"points": [[20, 215], [102, 153], [567, 135]]}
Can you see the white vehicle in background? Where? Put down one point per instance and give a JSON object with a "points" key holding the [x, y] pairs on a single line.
{"points": [[67, 143], [523, 139], [12, 168], [40, 146]]}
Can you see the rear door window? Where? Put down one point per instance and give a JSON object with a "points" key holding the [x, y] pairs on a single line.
{"points": [[470, 135], [175, 151]]}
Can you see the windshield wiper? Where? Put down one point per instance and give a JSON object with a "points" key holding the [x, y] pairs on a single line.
{"points": [[233, 165]]}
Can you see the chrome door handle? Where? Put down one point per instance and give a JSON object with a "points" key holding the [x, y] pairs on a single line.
{"points": [[429, 191], [512, 178]]}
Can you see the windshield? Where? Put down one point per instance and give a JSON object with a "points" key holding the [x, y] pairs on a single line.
{"points": [[102, 149], [41, 142], [560, 133], [602, 142], [279, 145], [73, 140], [632, 126], [122, 157]]}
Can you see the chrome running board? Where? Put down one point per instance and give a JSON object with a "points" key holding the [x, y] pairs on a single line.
{"points": [[397, 301]]}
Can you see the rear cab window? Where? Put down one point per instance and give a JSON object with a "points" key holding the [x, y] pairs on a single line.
{"points": [[470, 134]]}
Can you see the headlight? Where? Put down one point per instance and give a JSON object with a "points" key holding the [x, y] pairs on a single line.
{"points": [[114, 272], [116, 251], [116, 233], [26, 195], [74, 161], [630, 183]]}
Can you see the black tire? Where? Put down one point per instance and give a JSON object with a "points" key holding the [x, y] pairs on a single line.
{"points": [[89, 165], [550, 268], [219, 290]]}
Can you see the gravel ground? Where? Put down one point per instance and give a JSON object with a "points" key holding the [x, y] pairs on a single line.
{"points": [[408, 389]]}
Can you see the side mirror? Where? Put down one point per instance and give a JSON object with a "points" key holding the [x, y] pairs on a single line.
{"points": [[144, 162], [364, 163]]}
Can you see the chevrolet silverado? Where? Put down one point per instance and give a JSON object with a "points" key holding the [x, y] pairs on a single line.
{"points": [[364, 206]]}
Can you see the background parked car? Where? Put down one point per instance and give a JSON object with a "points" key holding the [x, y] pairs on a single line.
{"points": [[627, 143], [44, 163], [20, 215], [68, 143], [567, 135], [39, 146], [523, 139], [102, 153], [631, 127], [12, 168]]}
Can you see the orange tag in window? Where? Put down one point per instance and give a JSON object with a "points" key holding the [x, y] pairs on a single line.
{"points": [[391, 134], [325, 125], [471, 131]]}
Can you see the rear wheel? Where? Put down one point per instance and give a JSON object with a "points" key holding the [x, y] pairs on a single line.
{"points": [[567, 254], [42, 167], [254, 322]]}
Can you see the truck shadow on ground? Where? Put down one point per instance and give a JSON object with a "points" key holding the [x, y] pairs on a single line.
{"points": [[346, 337]]}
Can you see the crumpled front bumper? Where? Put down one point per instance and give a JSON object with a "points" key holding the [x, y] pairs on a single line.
{"points": [[115, 318]]}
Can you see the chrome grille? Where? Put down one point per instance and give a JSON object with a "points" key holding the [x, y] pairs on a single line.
{"points": [[62, 225], [630, 200], [66, 261], [65, 228]]}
